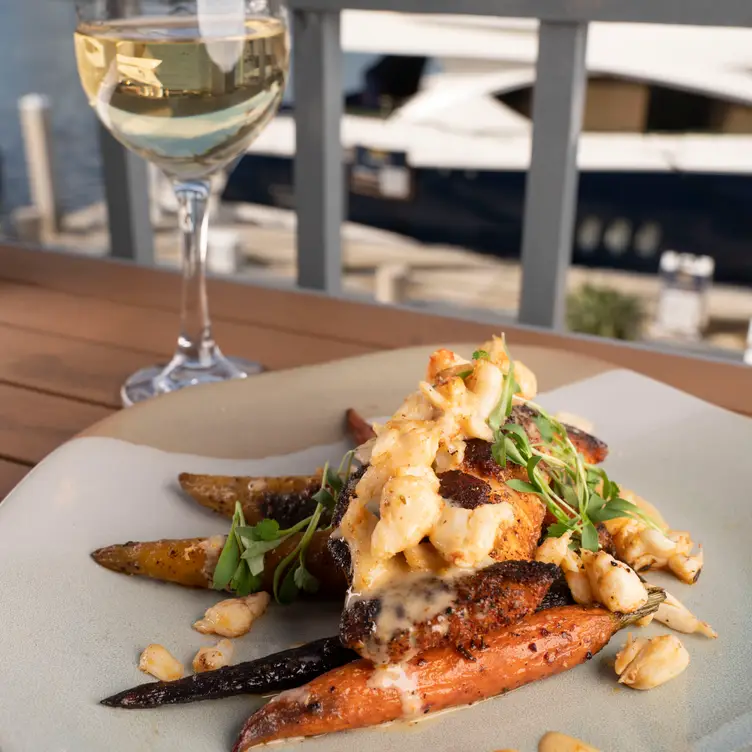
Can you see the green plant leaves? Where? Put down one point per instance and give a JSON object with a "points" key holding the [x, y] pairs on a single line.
{"points": [[305, 580], [557, 529], [288, 591], [589, 536], [229, 558], [579, 495], [522, 485], [242, 559], [545, 428], [267, 529], [605, 312], [244, 582]]}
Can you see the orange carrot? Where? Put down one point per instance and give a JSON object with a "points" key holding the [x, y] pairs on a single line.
{"points": [[357, 694]]}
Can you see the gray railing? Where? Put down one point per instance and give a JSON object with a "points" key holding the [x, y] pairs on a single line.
{"points": [[558, 99]]}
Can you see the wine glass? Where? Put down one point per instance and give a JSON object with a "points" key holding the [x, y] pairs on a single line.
{"points": [[187, 85]]}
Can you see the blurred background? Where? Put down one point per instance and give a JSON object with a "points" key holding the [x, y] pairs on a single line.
{"points": [[437, 137]]}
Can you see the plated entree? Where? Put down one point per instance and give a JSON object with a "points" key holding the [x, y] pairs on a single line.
{"points": [[475, 541]]}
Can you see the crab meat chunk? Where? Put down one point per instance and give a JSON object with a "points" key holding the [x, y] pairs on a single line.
{"points": [[645, 664], [410, 506], [233, 617], [613, 583], [210, 658], [465, 537], [160, 663]]}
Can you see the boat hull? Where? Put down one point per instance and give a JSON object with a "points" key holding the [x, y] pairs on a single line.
{"points": [[624, 219]]}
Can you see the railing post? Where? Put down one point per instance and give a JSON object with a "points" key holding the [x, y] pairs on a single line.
{"points": [[126, 188], [319, 183], [551, 191]]}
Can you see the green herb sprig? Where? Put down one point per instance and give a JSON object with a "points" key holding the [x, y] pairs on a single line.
{"points": [[577, 494], [241, 562]]}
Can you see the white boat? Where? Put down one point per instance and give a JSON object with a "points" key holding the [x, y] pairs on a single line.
{"points": [[438, 134]]}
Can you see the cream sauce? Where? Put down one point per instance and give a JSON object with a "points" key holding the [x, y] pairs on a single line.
{"points": [[395, 676], [299, 695], [418, 598]]}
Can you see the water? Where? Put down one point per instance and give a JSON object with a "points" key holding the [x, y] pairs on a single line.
{"points": [[47, 67]]}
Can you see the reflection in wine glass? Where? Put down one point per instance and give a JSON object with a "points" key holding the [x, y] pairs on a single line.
{"points": [[188, 88]]}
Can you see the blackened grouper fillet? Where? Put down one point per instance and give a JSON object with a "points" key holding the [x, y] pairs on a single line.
{"points": [[590, 447], [426, 611]]}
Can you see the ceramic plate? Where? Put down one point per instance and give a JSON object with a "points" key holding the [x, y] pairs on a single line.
{"points": [[71, 632]]}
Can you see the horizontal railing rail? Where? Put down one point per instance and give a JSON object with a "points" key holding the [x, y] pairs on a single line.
{"points": [[692, 12]]}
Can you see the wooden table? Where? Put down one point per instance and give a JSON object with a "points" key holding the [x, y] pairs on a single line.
{"points": [[73, 328]]}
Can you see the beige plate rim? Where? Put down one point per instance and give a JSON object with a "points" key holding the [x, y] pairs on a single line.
{"points": [[240, 419]]}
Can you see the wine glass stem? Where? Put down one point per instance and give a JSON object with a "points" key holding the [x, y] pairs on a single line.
{"points": [[195, 342]]}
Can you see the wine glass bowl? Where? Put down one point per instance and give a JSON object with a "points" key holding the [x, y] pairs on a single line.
{"points": [[187, 96], [188, 87]]}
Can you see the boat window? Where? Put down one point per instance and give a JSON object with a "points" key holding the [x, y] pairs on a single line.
{"points": [[647, 239], [673, 110], [617, 236], [589, 234], [622, 105], [520, 100], [385, 84]]}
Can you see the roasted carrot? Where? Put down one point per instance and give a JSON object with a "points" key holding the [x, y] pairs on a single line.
{"points": [[191, 561], [272, 673], [358, 695], [287, 499], [358, 428]]}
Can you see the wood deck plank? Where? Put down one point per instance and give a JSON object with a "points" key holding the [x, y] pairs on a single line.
{"points": [[66, 367], [11, 474], [153, 331], [274, 313], [32, 424]]}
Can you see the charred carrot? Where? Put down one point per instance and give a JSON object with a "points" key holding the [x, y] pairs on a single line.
{"points": [[191, 561], [358, 695], [272, 673], [358, 428], [287, 499], [188, 561]]}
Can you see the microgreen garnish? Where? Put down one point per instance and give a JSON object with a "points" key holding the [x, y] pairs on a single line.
{"points": [[481, 355], [241, 562], [229, 559], [577, 494]]}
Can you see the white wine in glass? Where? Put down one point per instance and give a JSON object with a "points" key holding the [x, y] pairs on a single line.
{"points": [[187, 90]]}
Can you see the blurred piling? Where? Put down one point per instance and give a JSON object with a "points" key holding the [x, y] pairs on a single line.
{"points": [[42, 219]]}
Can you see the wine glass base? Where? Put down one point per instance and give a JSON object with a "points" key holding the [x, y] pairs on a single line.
{"points": [[180, 373]]}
